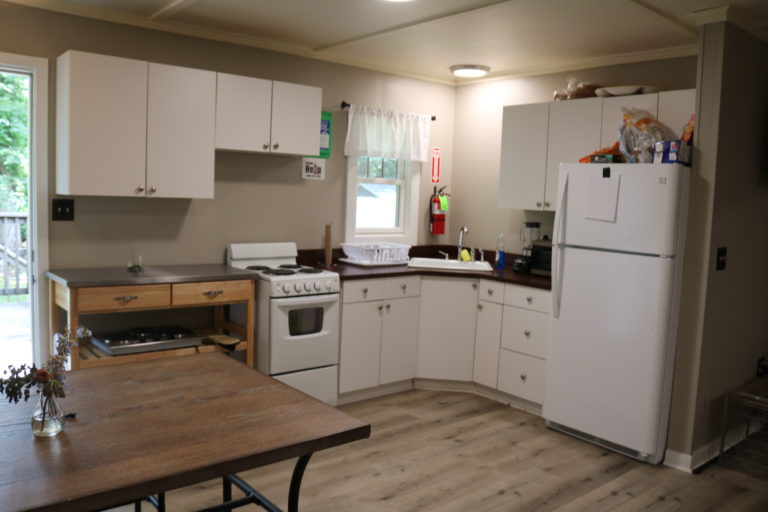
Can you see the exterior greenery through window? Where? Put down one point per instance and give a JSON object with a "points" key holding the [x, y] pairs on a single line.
{"points": [[380, 195], [14, 142]]}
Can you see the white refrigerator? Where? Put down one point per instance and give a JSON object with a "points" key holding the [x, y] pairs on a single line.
{"points": [[617, 261]]}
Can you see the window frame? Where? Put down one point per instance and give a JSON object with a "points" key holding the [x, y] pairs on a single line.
{"points": [[408, 207]]}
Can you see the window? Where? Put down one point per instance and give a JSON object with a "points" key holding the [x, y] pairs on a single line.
{"points": [[384, 152]]}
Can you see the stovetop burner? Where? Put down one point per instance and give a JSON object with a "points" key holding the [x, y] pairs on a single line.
{"points": [[290, 265], [310, 271], [279, 272], [257, 267]]}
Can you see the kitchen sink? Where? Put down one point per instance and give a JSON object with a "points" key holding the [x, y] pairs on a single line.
{"points": [[441, 263]]}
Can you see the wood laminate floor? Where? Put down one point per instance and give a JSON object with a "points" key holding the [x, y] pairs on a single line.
{"points": [[444, 451]]}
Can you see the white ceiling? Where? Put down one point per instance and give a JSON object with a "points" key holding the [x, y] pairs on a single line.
{"points": [[423, 38]]}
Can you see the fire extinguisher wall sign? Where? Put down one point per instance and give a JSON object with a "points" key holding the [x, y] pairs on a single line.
{"points": [[435, 165]]}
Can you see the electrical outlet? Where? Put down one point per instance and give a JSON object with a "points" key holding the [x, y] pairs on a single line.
{"points": [[63, 209], [762, 369]]}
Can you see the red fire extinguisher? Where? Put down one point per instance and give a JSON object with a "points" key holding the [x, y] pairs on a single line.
{"points": [[436, 213]]}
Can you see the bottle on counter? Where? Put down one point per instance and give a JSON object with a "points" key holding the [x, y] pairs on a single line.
{"points": [[500, 254]]}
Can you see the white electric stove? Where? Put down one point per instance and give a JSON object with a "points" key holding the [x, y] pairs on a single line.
{"points": [[297, 317]]}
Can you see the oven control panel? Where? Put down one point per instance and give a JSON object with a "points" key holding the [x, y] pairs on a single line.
{"points": [[301, 287]]}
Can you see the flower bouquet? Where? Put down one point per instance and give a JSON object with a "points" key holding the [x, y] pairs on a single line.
{"points": [[47, 420]]}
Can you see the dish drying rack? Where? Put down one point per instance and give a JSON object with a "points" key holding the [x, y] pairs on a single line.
{"points": [[375, 254]]}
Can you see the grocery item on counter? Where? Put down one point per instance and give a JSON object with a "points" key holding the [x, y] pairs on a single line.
{"points": [[610, 154], [639, 134]]}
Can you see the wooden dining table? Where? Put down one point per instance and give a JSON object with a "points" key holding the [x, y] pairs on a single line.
{"points": [[144, 428]]}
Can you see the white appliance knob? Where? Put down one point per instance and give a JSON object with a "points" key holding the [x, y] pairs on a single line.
{"points": [[297, 287], [318, 287], [308, 287], [328, 285], [287, 288]]}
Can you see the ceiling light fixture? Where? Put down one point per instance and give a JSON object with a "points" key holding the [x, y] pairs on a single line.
{"points": [[469, 70]]}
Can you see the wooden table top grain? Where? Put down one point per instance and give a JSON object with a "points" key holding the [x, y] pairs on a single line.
{"points": [[148, 427]]}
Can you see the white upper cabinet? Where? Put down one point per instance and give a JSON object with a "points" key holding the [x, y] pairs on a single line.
{"points": [[265, 116], [181, 117], [574, 132], [131, 128], [101, 125], [613, 116], [523, 156], [243, 112]]}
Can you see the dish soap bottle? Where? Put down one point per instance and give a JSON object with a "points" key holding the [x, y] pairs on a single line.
{"points": [[500, 255]]}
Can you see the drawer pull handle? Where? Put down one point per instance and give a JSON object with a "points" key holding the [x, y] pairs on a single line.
{"points": [[389, 306], [125, 299], [403, 286], [480, 307], [474, 285], [490, 291], [527, 333], [523, 377], [529, 299], [380, 308], [265, 146], [275, 145], [213, 293]]}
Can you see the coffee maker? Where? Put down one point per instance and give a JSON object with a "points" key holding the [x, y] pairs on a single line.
{"points": [[529, 232]]}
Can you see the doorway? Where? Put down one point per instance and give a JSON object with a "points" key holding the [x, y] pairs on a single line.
{"points": [[23, 209]]}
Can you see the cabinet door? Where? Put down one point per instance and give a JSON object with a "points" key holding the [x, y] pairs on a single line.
{"points": [[675, 109], [360, 346], [243, 112], [613, 117], [521, 375], [447, 328], [101, 125], [487, 336], [523, 156], [399, 340], [181, 120], [296, 119], [574, 131]]}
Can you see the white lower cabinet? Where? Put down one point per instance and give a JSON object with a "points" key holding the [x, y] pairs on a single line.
{"points": [[524, 337], [447, 328], [488, 332], [379, 329]]}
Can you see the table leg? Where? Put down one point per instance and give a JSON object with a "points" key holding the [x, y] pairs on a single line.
{"points": [[226, 491], [298, 474]]}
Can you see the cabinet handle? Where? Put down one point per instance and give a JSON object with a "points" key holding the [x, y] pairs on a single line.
{"points": [[152, 189], [529, 299], [125, 299], [275, 145], [213, 293], [265, 146], [538, 203], [380, 308], [523, 377], [403, 286], [546, 203], [365, 291], [480, 307], [490, 291], [474, 285], [140, 189], [388, 306], [527, 333]]}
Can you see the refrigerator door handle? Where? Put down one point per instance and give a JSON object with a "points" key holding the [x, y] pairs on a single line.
{"points": [[557, 251]]}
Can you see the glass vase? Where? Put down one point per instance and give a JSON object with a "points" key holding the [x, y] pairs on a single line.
{"points": [[48, 419]]}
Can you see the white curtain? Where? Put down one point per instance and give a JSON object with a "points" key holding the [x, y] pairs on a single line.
{"points": [[386, 133]]}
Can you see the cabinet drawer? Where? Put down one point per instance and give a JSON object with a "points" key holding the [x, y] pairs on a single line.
{"points": [[528, 298], [396, 287], [365, 289], [119, 298], [212, 292], [525, 331], [492, 291], [521, 375]]}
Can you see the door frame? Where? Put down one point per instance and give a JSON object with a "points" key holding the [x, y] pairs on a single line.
{"points": [[37, 68]]}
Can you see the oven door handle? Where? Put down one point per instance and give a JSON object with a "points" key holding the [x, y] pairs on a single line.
{"points": [[327, 298]]}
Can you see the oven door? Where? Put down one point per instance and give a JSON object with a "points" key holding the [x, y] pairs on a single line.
{"points": [[304, 332]]}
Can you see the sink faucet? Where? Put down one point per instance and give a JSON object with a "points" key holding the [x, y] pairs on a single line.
{"points": [[463, 230]]}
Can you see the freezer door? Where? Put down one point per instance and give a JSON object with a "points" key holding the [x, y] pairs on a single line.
{"points": [[607, 363], [622, 207]]}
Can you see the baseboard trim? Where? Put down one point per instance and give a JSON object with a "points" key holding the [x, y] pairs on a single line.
{"points": [[705, 454]]}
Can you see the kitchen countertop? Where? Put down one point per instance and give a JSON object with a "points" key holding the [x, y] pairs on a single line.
{"points": [[120, 276], [350, 272]]}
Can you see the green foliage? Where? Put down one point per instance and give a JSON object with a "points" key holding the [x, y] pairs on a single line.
{"points": [[14, 142]]}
